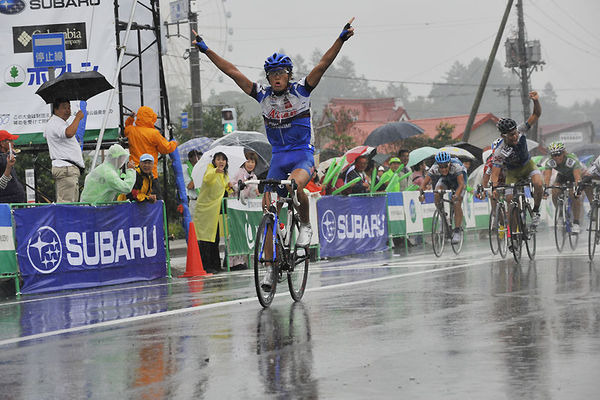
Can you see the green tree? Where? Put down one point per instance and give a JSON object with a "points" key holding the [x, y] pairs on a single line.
{"points": [[340, 124]]}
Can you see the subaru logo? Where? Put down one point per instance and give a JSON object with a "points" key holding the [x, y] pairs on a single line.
{"points": [[328, 226], [413, 210], [44, 250], [10, 7]]}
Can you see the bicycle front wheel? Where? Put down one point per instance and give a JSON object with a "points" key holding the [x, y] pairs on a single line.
{"points": [[493, 230], [529, 234], [516, 233], [438, 233], [298, 265], [265, 270], [593, 231], [501, 229], [573, 237], [560, 228]]}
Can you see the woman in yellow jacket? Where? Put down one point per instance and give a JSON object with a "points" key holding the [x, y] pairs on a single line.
{"points": [[215, 185]]}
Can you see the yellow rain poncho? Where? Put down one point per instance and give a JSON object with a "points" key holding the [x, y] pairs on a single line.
{"points": [[105, 181], [208, 205]]}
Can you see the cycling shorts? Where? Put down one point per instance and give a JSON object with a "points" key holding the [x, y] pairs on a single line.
{"points": [[522, 173], [282, 165]]}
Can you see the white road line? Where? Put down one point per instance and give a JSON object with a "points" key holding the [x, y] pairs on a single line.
{"points": [[217, 305]]}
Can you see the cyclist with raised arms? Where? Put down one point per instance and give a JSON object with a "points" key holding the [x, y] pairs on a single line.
{"points": [[569, 169], [451, 175], [285, 108], [513, 155]]}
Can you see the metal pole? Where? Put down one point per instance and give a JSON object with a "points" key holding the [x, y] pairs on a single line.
{"points": [[195, 78], [486, 73], [114, 83], [524, 66]]}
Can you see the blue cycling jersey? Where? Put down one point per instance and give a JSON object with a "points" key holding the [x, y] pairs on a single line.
{"points": [[286, 116]]}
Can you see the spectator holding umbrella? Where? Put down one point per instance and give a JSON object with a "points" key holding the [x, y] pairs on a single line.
{"points": [[11, 190], [65, 151], [145, 138]]}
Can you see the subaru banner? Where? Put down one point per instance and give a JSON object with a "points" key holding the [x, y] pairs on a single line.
{"points": [[71, 247], [351, 225]]}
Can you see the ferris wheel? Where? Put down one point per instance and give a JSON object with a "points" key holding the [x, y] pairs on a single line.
{"points": [[213, 26]]}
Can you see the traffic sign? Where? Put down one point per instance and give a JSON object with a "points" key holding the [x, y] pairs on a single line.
{"points": [[49, 50]]}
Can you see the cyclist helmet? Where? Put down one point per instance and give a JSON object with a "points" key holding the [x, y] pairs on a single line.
{"points": [[277, 61], [442, 157], [496, 142], [556, 148], [506, 125]]}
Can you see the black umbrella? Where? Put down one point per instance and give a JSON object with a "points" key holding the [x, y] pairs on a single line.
{"points": [[392, 132], [74, 86], [476, 151]]}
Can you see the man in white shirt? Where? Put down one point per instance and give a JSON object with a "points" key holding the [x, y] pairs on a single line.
{"points": [[65, 151]]}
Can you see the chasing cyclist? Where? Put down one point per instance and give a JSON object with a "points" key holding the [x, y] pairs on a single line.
{"points": [[450, 175], [569, 170], [513, 155], [285, 108]]}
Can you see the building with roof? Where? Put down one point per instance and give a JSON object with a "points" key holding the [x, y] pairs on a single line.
{"points": [[571, 134], [483, 131]]}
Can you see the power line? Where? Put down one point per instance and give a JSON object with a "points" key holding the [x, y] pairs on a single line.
{"points": [[575, 21], [557, 23]]}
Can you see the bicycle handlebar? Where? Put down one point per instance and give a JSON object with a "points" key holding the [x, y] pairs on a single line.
{"points": [[278, 182]]}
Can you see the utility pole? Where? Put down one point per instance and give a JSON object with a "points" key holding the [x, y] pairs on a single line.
{"points": [[486, 73], [508, 93], [524, 67], [195, 77]]}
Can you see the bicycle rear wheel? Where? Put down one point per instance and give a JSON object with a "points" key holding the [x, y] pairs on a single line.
{"points": [[560, 229], [438, 233], [501, 229], [298, 265], [264, 238], [529, 235], [573, 237], [516, 233], [593, 231], [493, 230]]}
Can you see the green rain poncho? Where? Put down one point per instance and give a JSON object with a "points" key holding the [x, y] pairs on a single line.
{"points": [[104, 183]]}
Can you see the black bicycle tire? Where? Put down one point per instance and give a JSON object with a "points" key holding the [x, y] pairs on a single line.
{"points": [[500, 209], [559, 244], [438, 217], [516, 235], [592, 232], [264, 300], [491, 237], [530, 235], [573, 237], [297, 294]]}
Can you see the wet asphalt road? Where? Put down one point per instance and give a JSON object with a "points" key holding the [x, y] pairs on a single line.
{"points": [[376, 326]]}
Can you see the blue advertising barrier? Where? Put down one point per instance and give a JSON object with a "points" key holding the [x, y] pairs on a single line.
{"points": [[71, 247], [351, 225]]}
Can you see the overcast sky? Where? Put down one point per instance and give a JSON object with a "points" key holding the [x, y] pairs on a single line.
{"points": [[413, 41]]}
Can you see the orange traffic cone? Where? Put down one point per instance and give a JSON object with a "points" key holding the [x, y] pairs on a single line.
{"points": [[193, 264]]}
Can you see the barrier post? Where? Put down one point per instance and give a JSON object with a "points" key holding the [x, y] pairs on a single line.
{"points": [[167, 241]]}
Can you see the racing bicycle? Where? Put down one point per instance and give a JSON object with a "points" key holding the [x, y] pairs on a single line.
{"points": [[594, 229], [563, 218], [275, 246], [520, 213], [498, 224], [442, 225]]}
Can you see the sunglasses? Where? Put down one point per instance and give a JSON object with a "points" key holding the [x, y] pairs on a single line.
{"points": [[556, 155], [277, 73], [444, 165]]}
